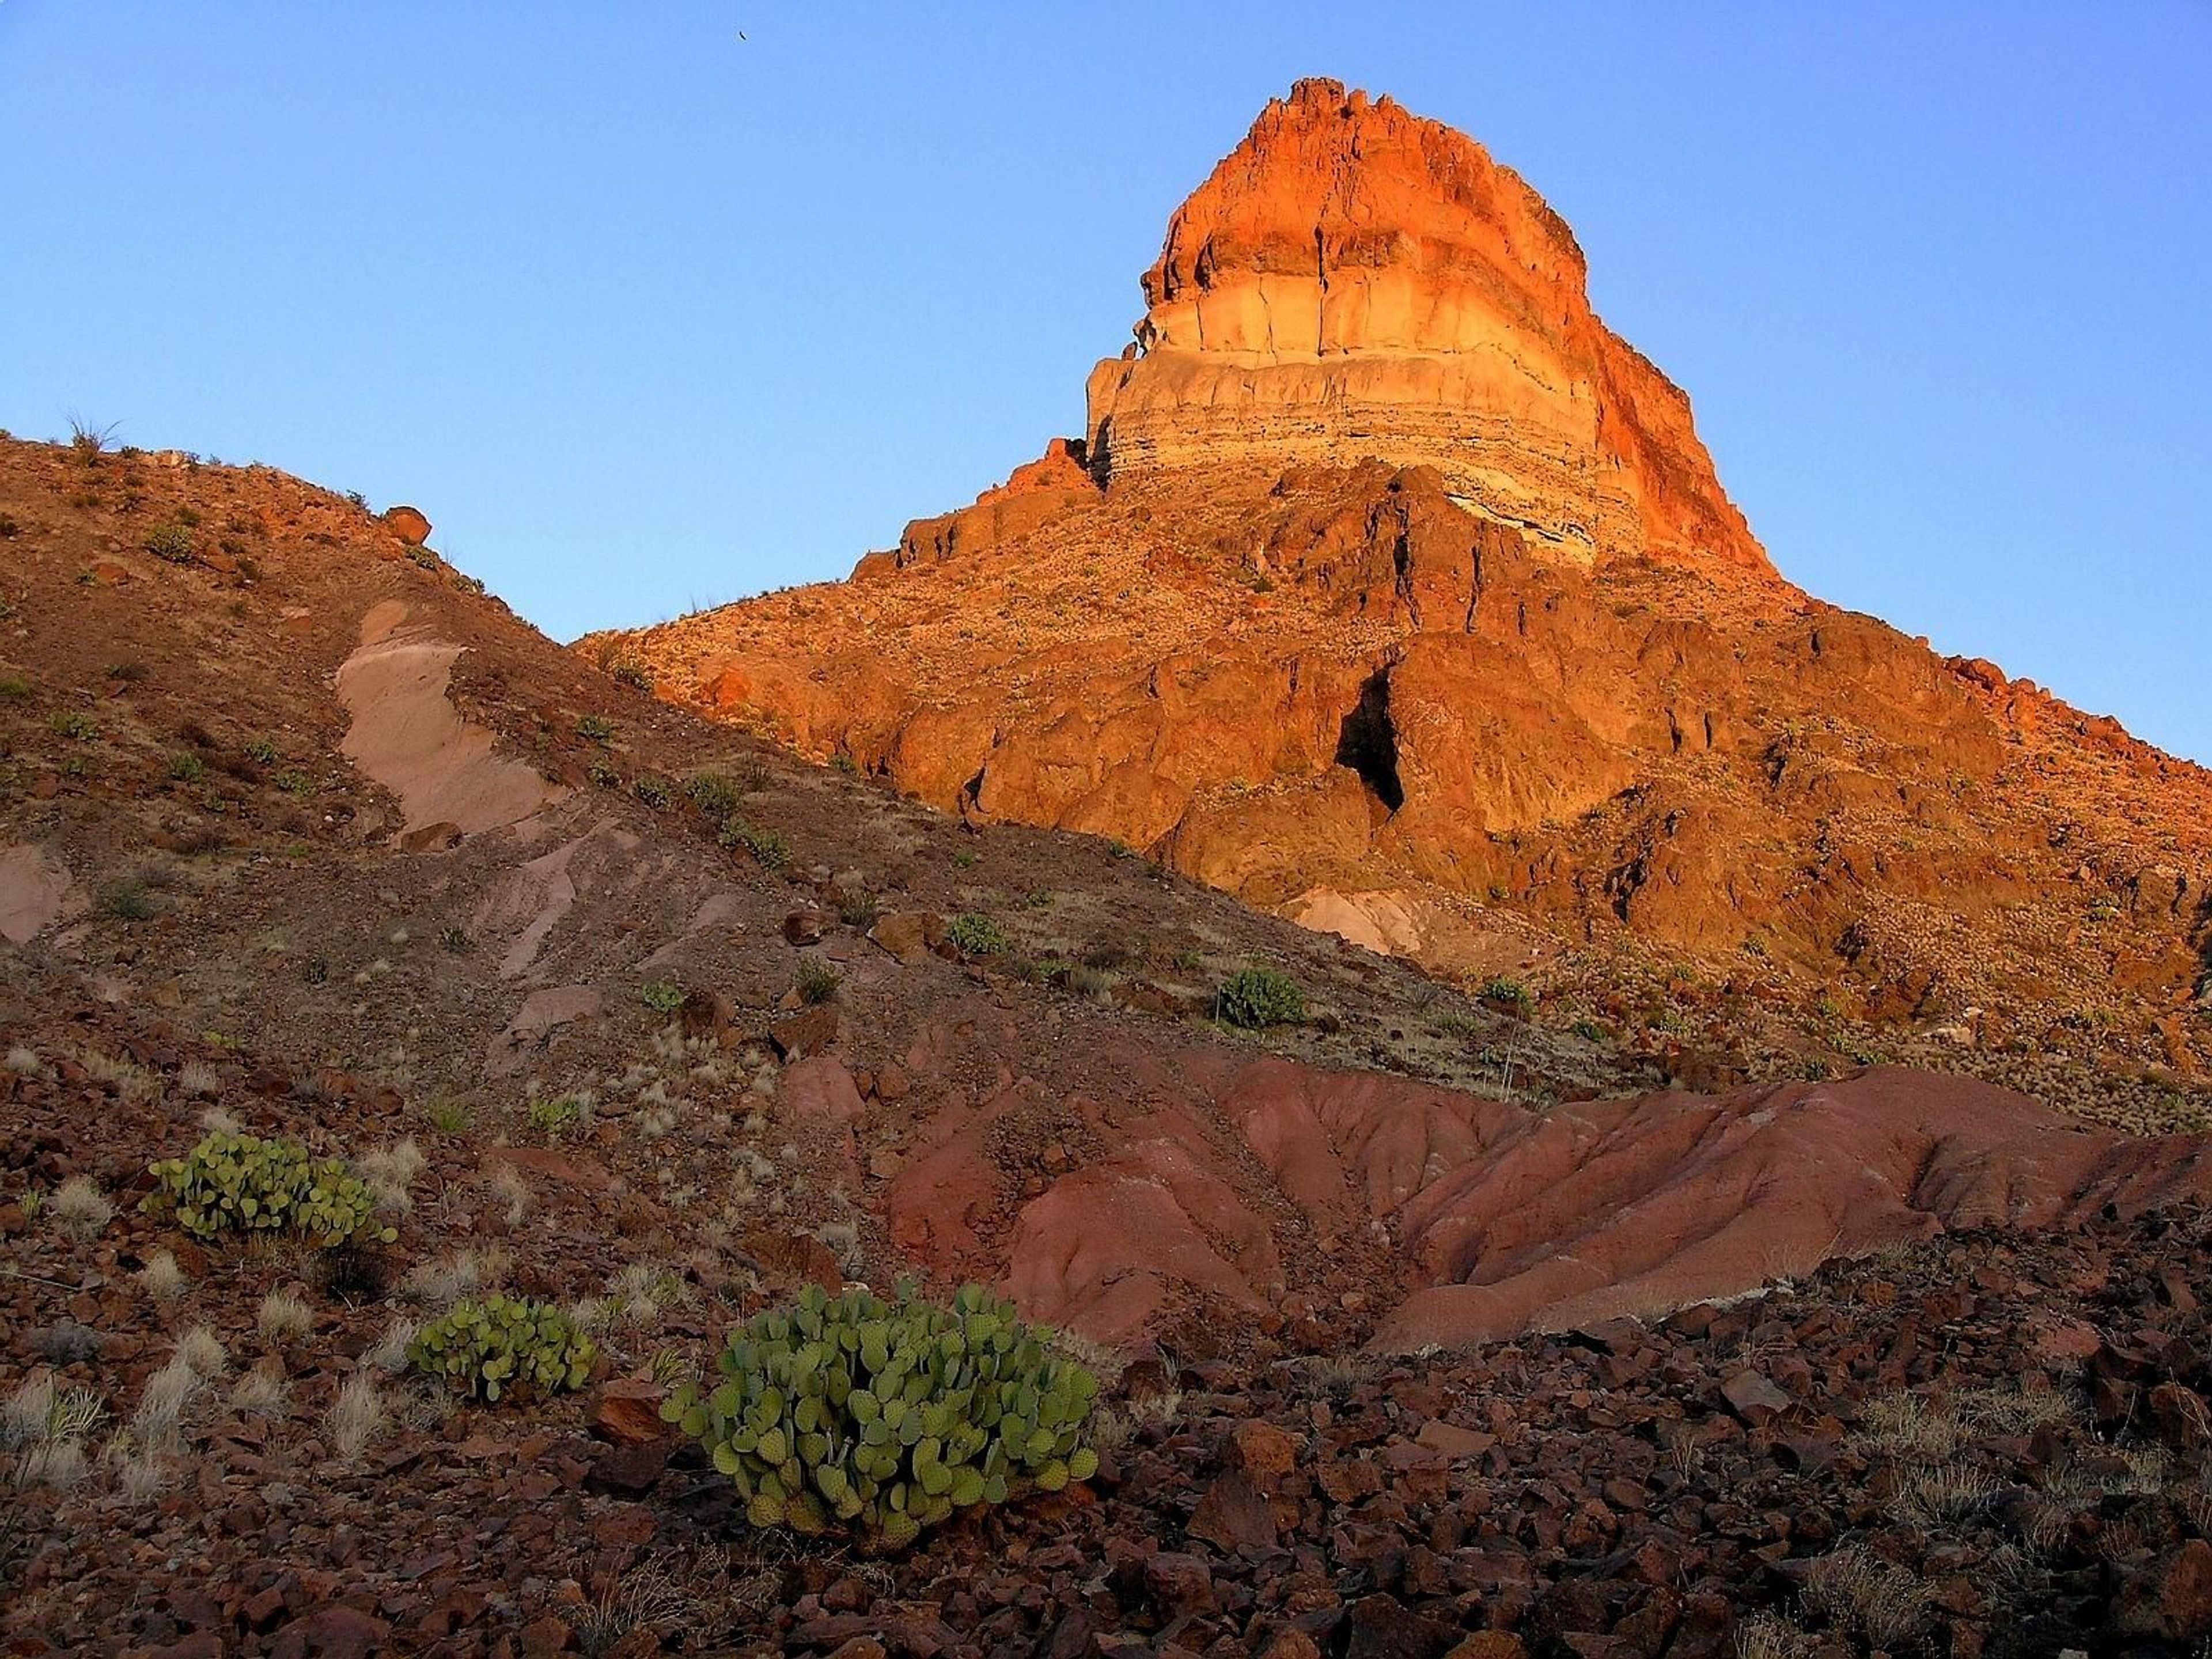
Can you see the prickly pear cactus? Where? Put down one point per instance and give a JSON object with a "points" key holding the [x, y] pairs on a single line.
{"points": [[880, 1419], [233, 1183], [503, 1345]]}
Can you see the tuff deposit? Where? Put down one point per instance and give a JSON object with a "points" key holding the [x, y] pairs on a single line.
{"points": [[1355, 282], [1389, 590]]}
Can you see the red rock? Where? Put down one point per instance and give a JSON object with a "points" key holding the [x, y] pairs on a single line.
{"points": [[1234, 1515], [1181, 1586], [628, 1412], [1263, 1452], [633, 1524], [804, 927], [407, 524], [559, 1167], [1753, 1399], [1383, 1629], [911, 936], [705, 1014], [2181, 1416], [2172, 1599], [1453, 1441], [807, 1034], [1488, 1644], [332, 1632]]}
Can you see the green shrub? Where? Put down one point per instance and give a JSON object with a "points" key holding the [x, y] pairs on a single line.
{"points": [[1508, 993], [652, 790], [878, 1420], [185, 767], [818, 982], [663, 996], [974, 934], [598, 727], [504, 1345], [604, 774], [14, 689], [633, 674], [261, 751], [296, 782], [715, 794], [770, 850], [172, 542], [74, 724], [233, 1182], [447, 1116], [129, 901], [1257, 997], [556, 1114]]}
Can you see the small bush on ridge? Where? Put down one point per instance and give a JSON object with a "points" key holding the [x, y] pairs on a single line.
{"points": [[1257, 997]]}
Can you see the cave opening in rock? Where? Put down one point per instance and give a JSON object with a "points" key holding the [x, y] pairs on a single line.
{"points": [[1368, 743]]}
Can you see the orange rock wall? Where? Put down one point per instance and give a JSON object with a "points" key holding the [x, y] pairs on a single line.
{"points": [[1354, 282]]}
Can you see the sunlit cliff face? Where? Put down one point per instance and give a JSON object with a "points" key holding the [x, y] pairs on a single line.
{"points": [[1354, 282]]}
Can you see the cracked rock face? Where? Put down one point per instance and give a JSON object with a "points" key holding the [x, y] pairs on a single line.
{"points": [[1356, 282]]}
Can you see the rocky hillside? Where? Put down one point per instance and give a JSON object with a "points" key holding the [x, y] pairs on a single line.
{"points": [[1425, 1325], [1391, 591]]}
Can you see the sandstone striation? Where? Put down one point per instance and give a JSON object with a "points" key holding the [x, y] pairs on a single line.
{"points": [[1388, 582], [1353, 282]]}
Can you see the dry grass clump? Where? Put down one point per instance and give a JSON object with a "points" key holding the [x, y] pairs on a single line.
{"points": [[285, 1317], [841, 1239], [262, 1392], [1856, 1591], [465, 1272], [201, 1349], [158, 1423], [50, 1427], [1917, 1429], [1769, 1636], [1907, 1425], [197, 1080], [648, 1596], [24, 1062], [1103, 1362], [1337, 1375], [131, 1081], [161, 1277], [511, 1188], [390, 1353], [142, 1470], [1935, 1494], [355, 1416], [2139, 1471], [390, 1171], [80, 1208]]}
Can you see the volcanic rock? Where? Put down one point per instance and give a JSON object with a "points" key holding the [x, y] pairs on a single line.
{"points": [[1354, 282], [1410, 589], [407, 524]]}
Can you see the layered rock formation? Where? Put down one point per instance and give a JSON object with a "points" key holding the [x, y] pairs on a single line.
{"points": [[1353, 282], [1304, 616]]}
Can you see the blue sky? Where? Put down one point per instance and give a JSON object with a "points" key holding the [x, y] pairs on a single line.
{"points": [[646, 316]]}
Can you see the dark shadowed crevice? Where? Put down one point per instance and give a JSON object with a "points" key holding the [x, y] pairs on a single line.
{"points": [[1368, 743]]}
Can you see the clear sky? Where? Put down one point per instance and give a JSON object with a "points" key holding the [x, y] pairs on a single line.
{"points": [[645, 315]]}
